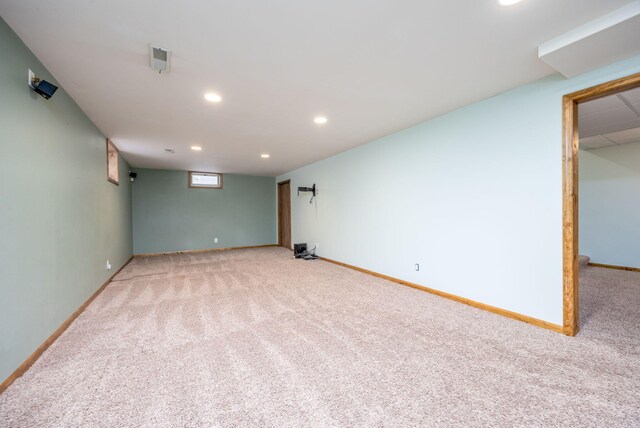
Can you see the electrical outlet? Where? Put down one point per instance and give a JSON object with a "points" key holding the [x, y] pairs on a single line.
{"points": [[215, 240], [417, 267], [31, 77], [317, 246], [107, 266]]}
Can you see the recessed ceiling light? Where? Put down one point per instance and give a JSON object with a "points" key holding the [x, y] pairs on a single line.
{"points": [[196, 148], [265, 156], [508, 2], [214, 98], [320, 120]]}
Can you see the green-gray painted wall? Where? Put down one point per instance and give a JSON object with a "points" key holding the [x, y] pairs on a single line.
{"points": [[60, 219], [170, 216]]}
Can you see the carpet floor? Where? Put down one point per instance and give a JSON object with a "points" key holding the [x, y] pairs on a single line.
{"points": [[256, 338]]}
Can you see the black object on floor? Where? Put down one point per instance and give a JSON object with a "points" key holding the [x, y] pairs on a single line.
{"points": [[299, 249]]}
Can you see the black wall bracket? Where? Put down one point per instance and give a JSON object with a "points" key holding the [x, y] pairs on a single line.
{"points": [[313, 190]]}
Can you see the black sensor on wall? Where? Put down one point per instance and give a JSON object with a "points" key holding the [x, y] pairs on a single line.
{"points": [[45, 89], [42, 87]]}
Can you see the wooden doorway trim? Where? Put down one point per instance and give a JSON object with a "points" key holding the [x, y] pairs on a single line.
{"points": [[570, 144], [284, 214]]}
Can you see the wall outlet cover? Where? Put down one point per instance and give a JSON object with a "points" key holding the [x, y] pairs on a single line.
{"points": [[215, 240]]}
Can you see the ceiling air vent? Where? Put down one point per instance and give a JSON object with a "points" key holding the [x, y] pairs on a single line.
{"points": [[159, 59]]}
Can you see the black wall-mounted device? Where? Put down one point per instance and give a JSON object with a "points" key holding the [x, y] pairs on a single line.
{"points": [[133, 175], [44, 88]]}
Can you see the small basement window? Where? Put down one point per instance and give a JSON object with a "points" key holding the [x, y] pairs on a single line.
{"points": [[205, 180]]}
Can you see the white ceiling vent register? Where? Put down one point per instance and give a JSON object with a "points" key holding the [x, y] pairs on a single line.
{"points": [[159, 59]]}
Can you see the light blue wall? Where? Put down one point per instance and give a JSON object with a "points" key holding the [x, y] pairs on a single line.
{"points": [[474, 196], [169, 216], [60, 220], [610, 205]]}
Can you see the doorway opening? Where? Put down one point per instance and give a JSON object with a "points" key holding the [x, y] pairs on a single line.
{"points": [[284, 214], [571, 145]]}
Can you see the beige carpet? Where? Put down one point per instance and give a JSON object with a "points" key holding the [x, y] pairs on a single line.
{"points": [[255, 338]]}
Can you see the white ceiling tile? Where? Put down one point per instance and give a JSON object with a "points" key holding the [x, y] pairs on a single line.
{"points": [[625, 137], [595, 142], [608, 121], [633, 96], [602, 104]]}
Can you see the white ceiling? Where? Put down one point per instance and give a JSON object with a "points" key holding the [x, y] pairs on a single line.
{"points": [[372, 67], [611, 120], [605, 40]]}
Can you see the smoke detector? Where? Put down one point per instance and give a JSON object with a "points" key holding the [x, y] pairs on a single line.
{"points": [[159, 59]]}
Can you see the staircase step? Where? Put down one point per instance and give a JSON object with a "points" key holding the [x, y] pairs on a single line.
{"points": [[583, 261]]}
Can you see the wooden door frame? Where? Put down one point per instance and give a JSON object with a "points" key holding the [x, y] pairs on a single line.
{"points": [[570, 145], [280, 210]]}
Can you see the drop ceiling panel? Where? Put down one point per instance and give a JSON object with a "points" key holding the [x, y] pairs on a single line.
{"points": [[633, 96], [627, 136], [595, 142], [600, 105], [608, 121]]}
